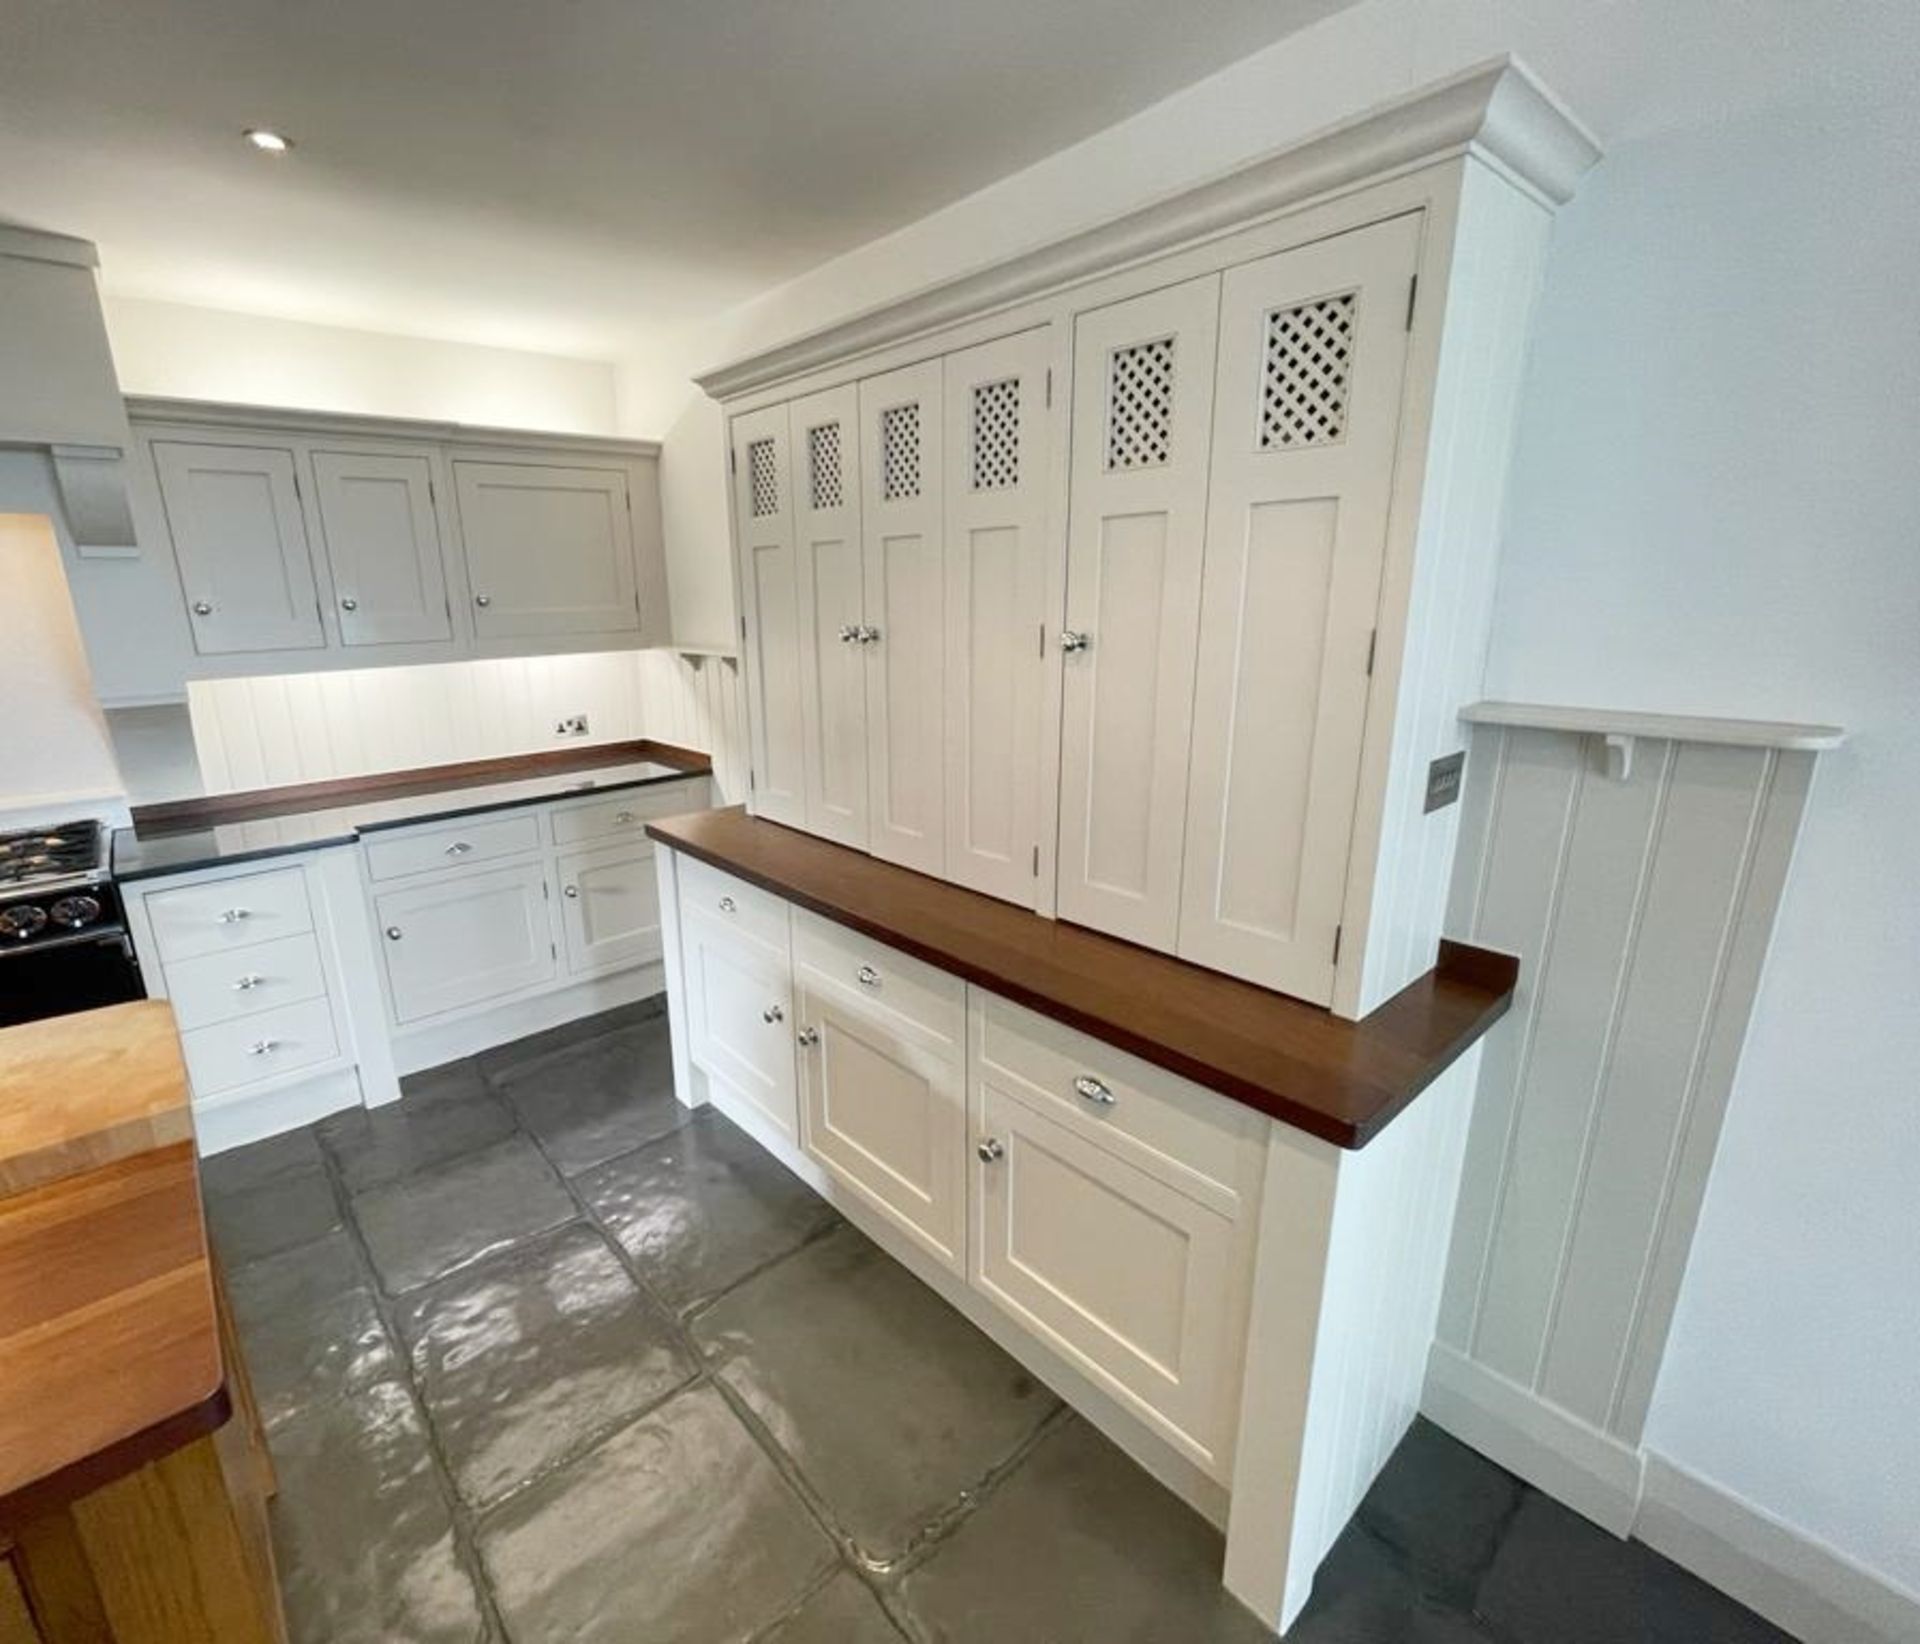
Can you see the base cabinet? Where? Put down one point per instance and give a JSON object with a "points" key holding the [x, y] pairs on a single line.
{"points": [[465, 939], [739, 1015], [609, 908]]}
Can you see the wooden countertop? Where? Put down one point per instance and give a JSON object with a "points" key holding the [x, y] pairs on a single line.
{"points": [[1296, 1062], [109, 1343]]}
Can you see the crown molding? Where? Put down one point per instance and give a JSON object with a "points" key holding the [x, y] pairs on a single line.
{"points": [[38, 246], [147, 408], [1496, 110]]}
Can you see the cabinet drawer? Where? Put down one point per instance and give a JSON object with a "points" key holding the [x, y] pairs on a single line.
{"points": [[621, 814], [259, 1047], [222, 987], [876, 978], [453, 845], [756, 914], [229, 913], [1190, 1136]]}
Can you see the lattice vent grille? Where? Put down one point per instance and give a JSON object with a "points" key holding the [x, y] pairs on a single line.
{"points": [[763, 479], [996, 435], [823, 465], [1140, 405], [900, 452], [1308, 371]]}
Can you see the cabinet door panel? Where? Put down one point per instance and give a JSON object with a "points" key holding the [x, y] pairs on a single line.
{"points": [[241, 543], [549, 550], [1312, 355], [833, 707], [1143, 395], [609, 908], [900, 519], [770, 590], [382, 532], [740, 1016], [465, 939], [996, 473]]}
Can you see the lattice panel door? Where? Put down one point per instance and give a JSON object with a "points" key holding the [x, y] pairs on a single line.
{"points": [[996, 434], [763, 479], [1306, 373], [1140, 405], [900, 452], [827, 488]]}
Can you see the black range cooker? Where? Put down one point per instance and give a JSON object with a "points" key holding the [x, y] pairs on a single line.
{"points": [[63, 932]]}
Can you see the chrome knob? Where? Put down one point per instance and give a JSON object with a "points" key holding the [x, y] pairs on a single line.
{"points": [[990, 1151], [849, 634], [772, 1014], [202, 608], [868, 633], [1073, 640], [261, 1047], [625, 817], [726, 904], [483, 600], [867, 976], [458, 848], [1091, 1089], [247, 983], [393, 933], [349, 604], [233, 916], [573, 891], [808, 1037]]}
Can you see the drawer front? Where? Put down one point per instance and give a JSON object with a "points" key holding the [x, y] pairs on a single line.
{"points": [[465, 938], [880, 980], [758, 915], [229, 913], [453, 845], [740, 1026], [622, 814], [279, 1041], [223, 987], [1194, 1138]]}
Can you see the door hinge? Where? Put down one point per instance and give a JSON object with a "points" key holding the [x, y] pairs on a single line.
{"points": [[1043, 639], [1373, 639], [546, 891], [433, 495], [1036, 861], [1049, 387], [1413, 294], [1337, 929], [733, 461], [743, 630], [552, 951], [751, 783]]}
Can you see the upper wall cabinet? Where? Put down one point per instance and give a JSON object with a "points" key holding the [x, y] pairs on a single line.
{"points": [[1170, 651], [549, 550], [380, 518]]}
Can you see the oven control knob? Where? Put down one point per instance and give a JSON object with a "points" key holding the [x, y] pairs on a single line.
{"points": [[75, 911], [21, 920]]}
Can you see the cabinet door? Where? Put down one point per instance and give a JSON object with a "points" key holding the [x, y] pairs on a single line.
{"points": [[996, 474], [833, 705], [770, 595], [241, 543], [464, 939], [609, 908], [549, 550], [883, 1107], [740, 1015], [1313, 349], [900, 528], [382, 533], [1142, 399]]}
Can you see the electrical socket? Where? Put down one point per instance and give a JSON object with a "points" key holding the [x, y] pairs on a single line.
{"points": [[572, 725]]}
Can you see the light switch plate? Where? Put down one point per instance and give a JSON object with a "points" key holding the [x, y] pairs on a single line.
{"points": [[1443, 780]]}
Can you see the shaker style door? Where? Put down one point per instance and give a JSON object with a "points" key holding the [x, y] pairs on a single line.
{"points": [[770, 592], [1142, 404], [381, 526], [1313, 347], [549, 549]]}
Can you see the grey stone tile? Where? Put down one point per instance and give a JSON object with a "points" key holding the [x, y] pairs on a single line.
{"points": [[702, 1208], [677, 1530], [362, 1532], [426, 1225], [268, 1197], [310, 1329], [1079, 1545], [892, 1404], [450, 1114], [523, 1357], [1559, 1580], [1443, 1507], [240, 1168], [593, 1101], [841, 1612], [1362, 1594], [502, 1060]]}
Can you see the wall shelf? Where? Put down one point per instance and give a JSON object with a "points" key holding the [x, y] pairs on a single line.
{"points": [[1624, 725]]}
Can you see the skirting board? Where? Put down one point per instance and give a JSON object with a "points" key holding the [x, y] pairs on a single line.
{"points": [[1795, 1581], [243, 1116], [432, 1043]]}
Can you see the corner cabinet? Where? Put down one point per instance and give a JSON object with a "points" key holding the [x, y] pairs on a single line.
{"points": [[1139, 580]]}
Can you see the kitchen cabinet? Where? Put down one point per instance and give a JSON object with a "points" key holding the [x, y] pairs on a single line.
{"points": [[240, 541], [739, 1005], [609, 907], [763, 510], [549, 549], [380, 520], [463, 938]]}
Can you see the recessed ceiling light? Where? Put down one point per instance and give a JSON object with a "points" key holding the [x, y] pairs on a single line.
{"points": [[268, 142]]}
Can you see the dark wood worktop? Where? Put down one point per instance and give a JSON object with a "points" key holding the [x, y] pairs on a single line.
{"points": [[1296, 1062]]}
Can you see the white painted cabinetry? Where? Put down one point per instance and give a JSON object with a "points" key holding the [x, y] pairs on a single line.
{"points": [[763, 513], [739, 993], [609, 908], [465, 937], [380, 521], [549, 549]]}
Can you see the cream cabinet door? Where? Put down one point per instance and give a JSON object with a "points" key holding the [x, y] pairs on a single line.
{"points": [[1143, 401], [465, 939], [833, 643], [995, 479], [380, 522], [776, 643], [609, 907], [549, 549], [901, 528], [240, 540], [1306, 420], [740, 1015]]}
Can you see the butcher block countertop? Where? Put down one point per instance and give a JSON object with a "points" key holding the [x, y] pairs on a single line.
{"points": [[1296, 1062], [109, 1342]]}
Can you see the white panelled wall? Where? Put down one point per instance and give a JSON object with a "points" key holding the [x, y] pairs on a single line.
{"points": [[275, 729]]}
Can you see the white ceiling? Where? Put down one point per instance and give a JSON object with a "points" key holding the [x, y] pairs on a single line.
{"points": [[579, 176]]}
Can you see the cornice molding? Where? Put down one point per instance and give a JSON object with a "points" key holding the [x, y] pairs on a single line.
{"points": [[1496, 110], [143, 408], [41, 247]]}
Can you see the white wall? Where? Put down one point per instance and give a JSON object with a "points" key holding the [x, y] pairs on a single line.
{"points": [[1716, 511], [213, 354], [694, 526]]}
